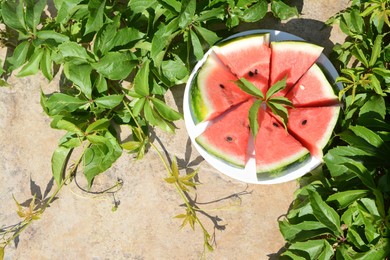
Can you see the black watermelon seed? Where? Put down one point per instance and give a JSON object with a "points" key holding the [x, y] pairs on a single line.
{"points": [[304, 122], [221, 86], [275, 124], [229, 139], [256, 71], [251, 74]]}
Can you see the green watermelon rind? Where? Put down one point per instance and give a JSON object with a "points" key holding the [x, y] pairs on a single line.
{"points": [[218, 153], [285, 165], [234, 40], [306, 47], [197, 104], [283, 170]]}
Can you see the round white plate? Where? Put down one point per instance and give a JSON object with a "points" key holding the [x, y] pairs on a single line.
{"points": [[248, 174]]}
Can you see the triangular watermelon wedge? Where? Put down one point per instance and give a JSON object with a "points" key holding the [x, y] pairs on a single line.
{"points": [[248, 58], [227, 136], [275, 149], [214, 90], [291, 59], [313, 89], [313, 126]]}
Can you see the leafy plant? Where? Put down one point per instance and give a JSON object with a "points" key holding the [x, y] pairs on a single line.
{"points": [[116, 60], [277, 104], [342, 211]]}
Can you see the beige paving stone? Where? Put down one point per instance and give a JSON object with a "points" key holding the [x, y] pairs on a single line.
{"points": [[78, 226]]}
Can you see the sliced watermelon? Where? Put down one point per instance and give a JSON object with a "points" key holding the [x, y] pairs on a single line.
{"points": [[313, 89], [214, 90], [291, 58], [227, 137], [248, 58], [313, 126], [275, 148]]}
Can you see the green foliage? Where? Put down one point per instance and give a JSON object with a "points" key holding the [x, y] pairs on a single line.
{"points": [[342, 211], [117, 60]]}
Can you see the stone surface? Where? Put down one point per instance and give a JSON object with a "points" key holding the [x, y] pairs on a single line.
{"points": [[242, 218]]}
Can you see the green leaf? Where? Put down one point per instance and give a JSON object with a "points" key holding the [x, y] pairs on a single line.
{"points": [[65, 8], [209, 36], [95, 17], [249, 88], [254, 116], [280, 111], [80, 75], [141, 80], [34, 10], [374, 107], [58, 163], [109, 102], [138, 105], [71, 51], [376, 50], [336, 158], [100, 155], [382, 72], [368, 135], [280, 85], [154, 119], [32, 66], [13, 15], [162, 38], [255, 12], [60, 123], [282, 10], [59, 103], [165, 111], [376, 84], [99, 125], [281, 101], [19, 56], [359, 54], [46, 64], [139, 6], [52, 35], [131, 145], [101, 84], [115, 65], [196, 45], [172, 5], [313, 249], [362, 173], [175, 70], [345, 198], [187, 13], [324, 213], [302, 231]]}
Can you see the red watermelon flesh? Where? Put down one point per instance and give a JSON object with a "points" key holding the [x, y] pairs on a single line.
{"points": [[215, 90], [248, 58], [313, 126], [291, 59], [275, 148], [313, 89], [227, 137]]}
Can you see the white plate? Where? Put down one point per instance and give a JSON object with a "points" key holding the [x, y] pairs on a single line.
{"points": [[248, 174]]}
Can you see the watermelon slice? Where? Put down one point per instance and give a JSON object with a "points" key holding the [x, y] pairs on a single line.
{"points": [[227, 137], [291, 58], [313, 126], [313, 89], [248, 58], [214, 90], [275, 148]]}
